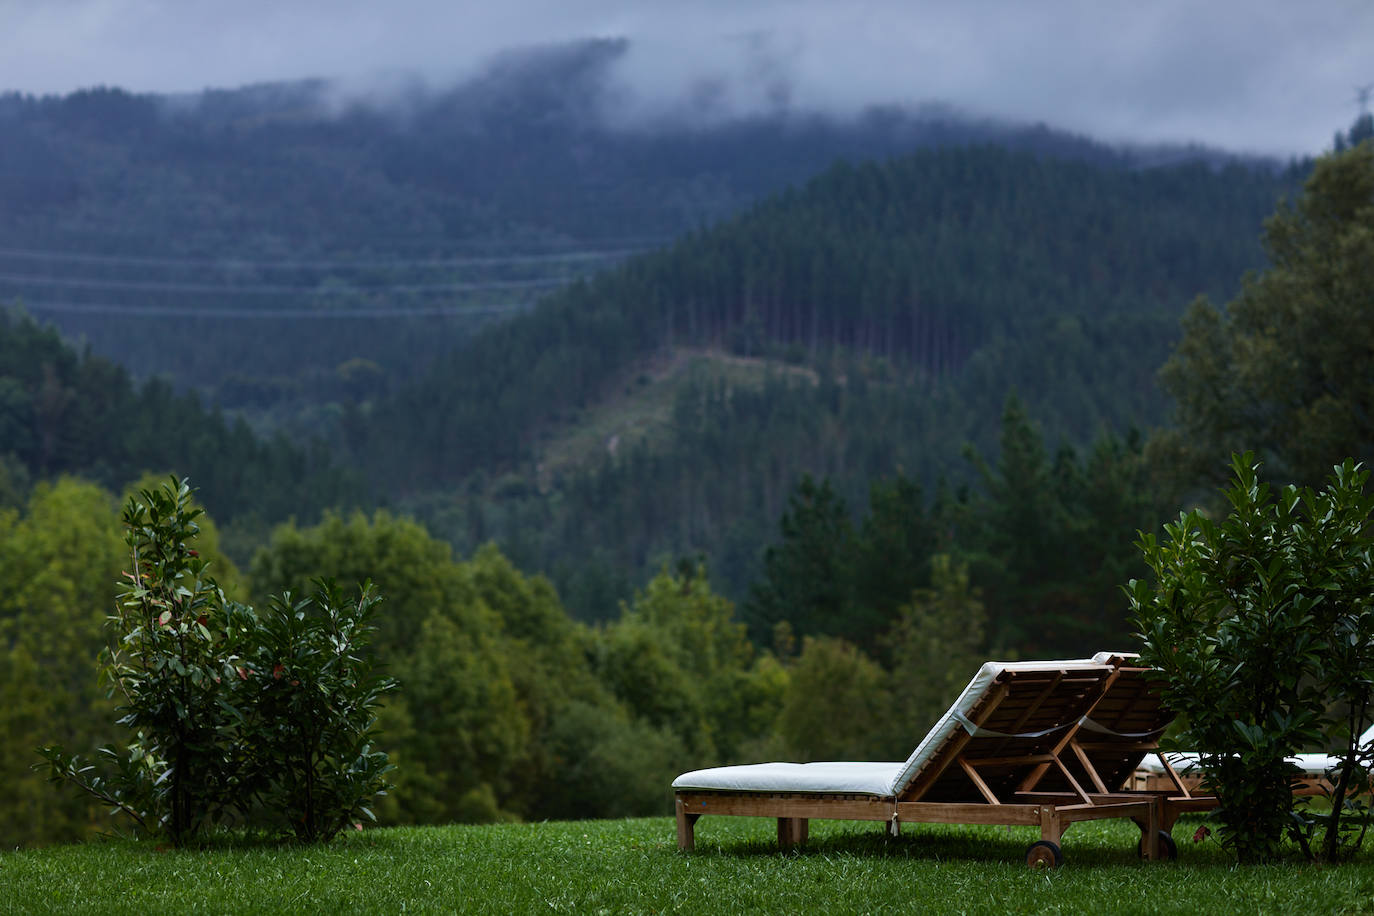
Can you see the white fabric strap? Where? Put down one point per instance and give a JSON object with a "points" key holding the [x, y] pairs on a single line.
{"points": [[1092, 725], [977, 731]]}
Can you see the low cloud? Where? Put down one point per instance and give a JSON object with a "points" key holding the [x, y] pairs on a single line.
{"points": [[1272, 78]]}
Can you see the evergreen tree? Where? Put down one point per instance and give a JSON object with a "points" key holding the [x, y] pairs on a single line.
{"points": [[1283, 370], [807, 575]]}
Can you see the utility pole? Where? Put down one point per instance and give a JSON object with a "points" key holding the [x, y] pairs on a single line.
{"points": [[1362, 94]]}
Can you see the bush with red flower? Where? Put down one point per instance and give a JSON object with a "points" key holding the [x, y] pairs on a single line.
{"points": [[218, 733]]}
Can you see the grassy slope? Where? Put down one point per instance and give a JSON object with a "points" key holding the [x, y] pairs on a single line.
{"points": [[634, 867]]}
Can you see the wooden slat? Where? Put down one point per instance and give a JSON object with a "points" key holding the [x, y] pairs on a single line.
{"points": [[1012, 759], [949, 751], [1039, 701], [972, 813], [978, 782], [840, 808], [1034, 777], [1174, 777], [1078, 789], [1088, 766]]}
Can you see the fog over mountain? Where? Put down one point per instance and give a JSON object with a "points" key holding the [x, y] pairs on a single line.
{"points": [[1268, 78]]}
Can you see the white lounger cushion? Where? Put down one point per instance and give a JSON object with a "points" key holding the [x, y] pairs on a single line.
{"points": [[838, 778], [879, 779], [1185, 763], [1315, 765]]}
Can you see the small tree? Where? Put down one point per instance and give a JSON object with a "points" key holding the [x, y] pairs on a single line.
{"points": [[173, 666], [1255, 623], [234, 715]]}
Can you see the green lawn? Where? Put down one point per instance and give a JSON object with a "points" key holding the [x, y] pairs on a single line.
{"points": [[634, 867]]}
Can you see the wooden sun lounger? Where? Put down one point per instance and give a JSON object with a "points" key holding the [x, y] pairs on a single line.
{"points": [[997, 757]]}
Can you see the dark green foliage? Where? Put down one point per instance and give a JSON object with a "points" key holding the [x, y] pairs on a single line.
{"points": [[1256, 623], [806, 577], [61, 413], [916, 293], [890, 551], [241, 203], [1048, 540], [678, 660], [836, 705], [919, 290], [937, 642], [61, 554], [175, 664], [825, 577], [231, 714], [312, 700], [464, 729], [510, 708], [1284, 369]]}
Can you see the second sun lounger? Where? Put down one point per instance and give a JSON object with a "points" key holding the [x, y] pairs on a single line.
{"points": [[1184, 768]]}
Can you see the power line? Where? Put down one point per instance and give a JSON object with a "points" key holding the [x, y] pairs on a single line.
{"points": [[171, 311], [268, 289], [228, 263]]}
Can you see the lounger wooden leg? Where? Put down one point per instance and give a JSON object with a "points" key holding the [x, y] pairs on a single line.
{"points": [[686, 827], [792, 831], [1050, 828], [1168, 815], [1151, 844]]}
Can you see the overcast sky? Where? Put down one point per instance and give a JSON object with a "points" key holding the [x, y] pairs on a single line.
{"points": [[1271, 76]]}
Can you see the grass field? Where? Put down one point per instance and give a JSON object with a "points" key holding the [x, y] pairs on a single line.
{"points": [[634, 867]]}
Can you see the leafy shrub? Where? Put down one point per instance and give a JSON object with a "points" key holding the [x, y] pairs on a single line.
{"points": [[236, 716], [1257, 623], [311, 701]]}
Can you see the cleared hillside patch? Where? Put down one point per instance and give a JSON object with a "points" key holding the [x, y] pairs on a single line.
{"points": [[638, 405]]}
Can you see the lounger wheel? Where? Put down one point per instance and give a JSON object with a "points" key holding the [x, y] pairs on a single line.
{"points": [[1167, 846], [1044, 854]]}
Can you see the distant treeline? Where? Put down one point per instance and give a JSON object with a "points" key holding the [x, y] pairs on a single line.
{"points": [[64, 413]]}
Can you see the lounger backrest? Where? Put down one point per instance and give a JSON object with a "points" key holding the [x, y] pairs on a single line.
{"points": [[1123, 727], [1002, 727]]}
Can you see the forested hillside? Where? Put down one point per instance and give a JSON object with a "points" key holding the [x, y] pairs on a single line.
{"points": [[367, 274], [64, 413], [332, 244], [927, 262], [897, 304]]}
